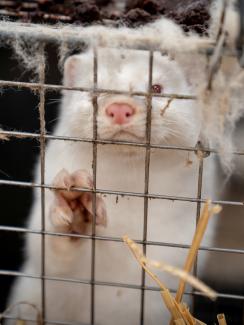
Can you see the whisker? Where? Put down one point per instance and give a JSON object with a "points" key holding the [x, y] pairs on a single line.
{"points": [[53, 101], [5, 174], [55, 119]]}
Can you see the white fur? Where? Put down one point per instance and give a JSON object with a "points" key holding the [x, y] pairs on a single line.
{"points": [[222, 106], [231, 23], [162, 34], [119, 168]]}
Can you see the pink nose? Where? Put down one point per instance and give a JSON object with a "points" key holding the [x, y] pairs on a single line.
{"points": [[120, 113]]}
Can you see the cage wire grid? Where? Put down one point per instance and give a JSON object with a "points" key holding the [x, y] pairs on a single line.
{"points": [[42, 88]]}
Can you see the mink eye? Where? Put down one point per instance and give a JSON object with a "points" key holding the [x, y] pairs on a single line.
{"points": [[157, 89]]}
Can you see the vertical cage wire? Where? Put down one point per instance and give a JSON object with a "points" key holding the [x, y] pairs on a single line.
{"points": [[200, 155], [94, 169], [146, 178], [42, 157]]}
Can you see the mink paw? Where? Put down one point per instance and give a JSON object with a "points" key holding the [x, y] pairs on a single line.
{"points": [[72, 211]]}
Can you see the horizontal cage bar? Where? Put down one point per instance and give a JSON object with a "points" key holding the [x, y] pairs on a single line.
{"points": [[118, 239], [36, 85], [110, 284], [24, 135], [78, 35], [121, 193]]}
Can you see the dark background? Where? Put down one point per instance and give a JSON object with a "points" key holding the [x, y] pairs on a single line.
{"points": [[19, 112]]}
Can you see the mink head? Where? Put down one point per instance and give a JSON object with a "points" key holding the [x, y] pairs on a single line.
{"points": [[123, 116]]}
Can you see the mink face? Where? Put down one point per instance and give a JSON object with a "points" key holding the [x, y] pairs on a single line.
{"points": [[124, 116]]}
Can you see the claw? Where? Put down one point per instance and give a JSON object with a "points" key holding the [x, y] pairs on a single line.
{"points": [[101, 214], [82, 179], [62, 179], [61, 216]]}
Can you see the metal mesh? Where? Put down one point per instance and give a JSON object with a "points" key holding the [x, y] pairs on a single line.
{"points": [[41, 87]]}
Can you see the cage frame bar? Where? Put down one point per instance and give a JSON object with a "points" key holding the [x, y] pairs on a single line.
{"points": [[120, 240], [94, 170], [121, 193], [5, 135], [113, 284], [146, 178], [41, 74]]}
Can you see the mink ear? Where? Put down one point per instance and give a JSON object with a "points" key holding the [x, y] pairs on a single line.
{"points": [[71, 67], [78, 70]]}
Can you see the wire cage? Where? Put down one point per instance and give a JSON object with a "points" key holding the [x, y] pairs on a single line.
{"points": [[43, 37]]}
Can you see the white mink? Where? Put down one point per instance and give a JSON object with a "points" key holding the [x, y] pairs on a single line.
{"points": [[119, 168]]}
